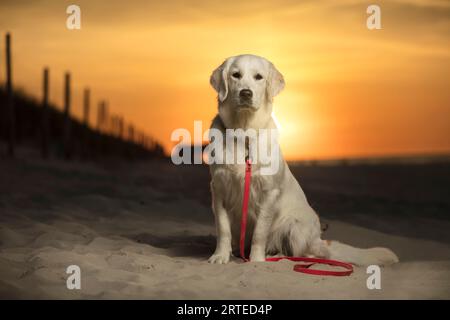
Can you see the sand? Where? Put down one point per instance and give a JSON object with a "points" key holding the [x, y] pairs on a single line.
{"points": [[145, 231]]}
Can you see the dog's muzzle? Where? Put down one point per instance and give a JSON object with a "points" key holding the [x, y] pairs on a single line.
{"points": [[246, 94], [245, 97]]}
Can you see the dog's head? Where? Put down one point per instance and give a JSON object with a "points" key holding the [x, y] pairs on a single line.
{"points": [[246, 82]]}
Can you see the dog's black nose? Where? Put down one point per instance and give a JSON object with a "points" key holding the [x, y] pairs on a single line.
{"points": [[246, 93]]}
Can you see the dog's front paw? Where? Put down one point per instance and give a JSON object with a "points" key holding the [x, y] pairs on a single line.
{"points": [[257, 257], [219, 258]]}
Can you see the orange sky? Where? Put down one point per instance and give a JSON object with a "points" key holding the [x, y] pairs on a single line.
{"points": [[349, 91]]}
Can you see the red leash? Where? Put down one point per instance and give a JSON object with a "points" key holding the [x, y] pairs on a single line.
{"points": [[308, 262]]}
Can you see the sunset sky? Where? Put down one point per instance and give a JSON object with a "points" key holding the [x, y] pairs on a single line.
{"points": [[350, 92]]}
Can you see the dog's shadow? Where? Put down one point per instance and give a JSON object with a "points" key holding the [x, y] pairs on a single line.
{"points": [[179, 245]]}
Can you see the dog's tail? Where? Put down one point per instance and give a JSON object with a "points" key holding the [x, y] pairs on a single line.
{"points": [[361, 257]]}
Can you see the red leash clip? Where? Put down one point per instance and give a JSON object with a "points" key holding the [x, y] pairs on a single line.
{"points": [[307, 262]]}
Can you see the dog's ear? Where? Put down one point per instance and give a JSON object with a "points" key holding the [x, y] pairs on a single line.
{"points": [[275, 82], [219, 79]]}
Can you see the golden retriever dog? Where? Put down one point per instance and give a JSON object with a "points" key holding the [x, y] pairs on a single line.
{"points": [[280, 220]]}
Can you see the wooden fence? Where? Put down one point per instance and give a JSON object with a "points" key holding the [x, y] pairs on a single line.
{"points": [[57, 133]]}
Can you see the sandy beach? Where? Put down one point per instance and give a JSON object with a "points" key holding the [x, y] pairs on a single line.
{"points": [[145, 231]]}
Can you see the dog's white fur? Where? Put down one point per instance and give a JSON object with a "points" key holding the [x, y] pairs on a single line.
{"points": [[280, 220]]}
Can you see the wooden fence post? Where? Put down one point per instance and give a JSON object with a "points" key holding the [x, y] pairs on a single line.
{"points": [[131, 133], [67, 119], [112, 126], [86, 106], [100, 113], [86, 137], [45, 123], [9, 90], [121, 127], [105, 124]]}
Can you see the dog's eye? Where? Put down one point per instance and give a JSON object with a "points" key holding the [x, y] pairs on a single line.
{"points": [[258, 76], [236, 75]]}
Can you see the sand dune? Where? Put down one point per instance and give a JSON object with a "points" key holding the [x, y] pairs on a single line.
{"points": [[146, 232]]}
